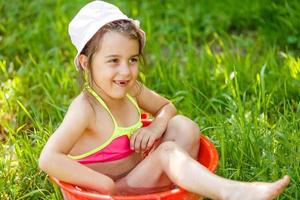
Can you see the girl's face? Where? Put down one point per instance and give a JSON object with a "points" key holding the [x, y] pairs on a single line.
{"points": [[115, 65]]}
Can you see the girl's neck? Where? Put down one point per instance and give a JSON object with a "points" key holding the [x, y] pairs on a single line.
{"points": [[110, 102]]}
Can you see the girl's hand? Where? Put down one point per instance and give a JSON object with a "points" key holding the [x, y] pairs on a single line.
{"points": [[144, 138]]}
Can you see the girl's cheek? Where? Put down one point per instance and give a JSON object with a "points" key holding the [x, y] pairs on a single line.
{"points": [[135, 69]]}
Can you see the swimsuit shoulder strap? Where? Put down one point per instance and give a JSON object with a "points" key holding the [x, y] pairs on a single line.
{"points": [[92, 92], [133, 101]]}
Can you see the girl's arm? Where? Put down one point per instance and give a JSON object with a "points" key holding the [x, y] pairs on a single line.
{"points": [[54, 160], [161, 108]]}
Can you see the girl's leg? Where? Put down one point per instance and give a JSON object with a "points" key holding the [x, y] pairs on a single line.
{"points": [[171, 159], [184, 132]]}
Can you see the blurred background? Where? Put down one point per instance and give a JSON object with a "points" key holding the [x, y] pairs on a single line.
{"points": [[232, 66]]}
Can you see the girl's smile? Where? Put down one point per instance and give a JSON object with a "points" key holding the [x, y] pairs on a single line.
{"points": [[122, 83]]}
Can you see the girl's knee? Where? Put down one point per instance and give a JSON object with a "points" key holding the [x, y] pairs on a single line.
{"points": [[187, 128]]}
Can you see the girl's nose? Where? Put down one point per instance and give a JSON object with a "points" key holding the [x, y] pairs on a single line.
{"points": [[124, 69]]}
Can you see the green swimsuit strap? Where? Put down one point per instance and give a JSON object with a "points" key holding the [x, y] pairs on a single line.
{"points": [[133, 101], [92, 92]]}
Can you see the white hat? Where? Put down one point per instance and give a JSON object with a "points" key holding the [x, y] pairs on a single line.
{"points": [[90, 19]]}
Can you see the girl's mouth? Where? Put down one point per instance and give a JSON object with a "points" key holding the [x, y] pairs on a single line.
{"points": [[121, 83]]}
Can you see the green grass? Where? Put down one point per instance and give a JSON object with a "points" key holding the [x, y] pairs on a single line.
{"points": [[232, 66]]}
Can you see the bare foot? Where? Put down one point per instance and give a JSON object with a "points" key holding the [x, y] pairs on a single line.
{"points": [[256, 190]]}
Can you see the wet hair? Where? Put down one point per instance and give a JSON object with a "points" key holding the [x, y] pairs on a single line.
{"points": [[125, 27]]}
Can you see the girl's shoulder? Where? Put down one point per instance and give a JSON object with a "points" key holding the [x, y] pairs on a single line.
{"points": [[82, 105]]}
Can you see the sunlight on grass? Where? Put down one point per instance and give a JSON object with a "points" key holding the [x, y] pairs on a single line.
{"points": [[294, 66]]}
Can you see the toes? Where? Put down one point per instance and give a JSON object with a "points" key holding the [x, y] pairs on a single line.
{"points": [[280, 185], [286, 180]]}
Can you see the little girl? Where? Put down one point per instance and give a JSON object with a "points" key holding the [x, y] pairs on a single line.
{"points": [[101, 141]]}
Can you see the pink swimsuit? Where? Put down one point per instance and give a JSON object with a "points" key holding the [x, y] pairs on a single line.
{"points": [[117, 146]]}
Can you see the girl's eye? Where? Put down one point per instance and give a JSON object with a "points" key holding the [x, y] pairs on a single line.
{"points": [[114, 60], [133, 60]]}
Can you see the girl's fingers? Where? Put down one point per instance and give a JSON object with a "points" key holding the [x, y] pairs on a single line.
{"points": [[141, 140], [150, 142], [144, 142], [137, 142], [132, 140]]}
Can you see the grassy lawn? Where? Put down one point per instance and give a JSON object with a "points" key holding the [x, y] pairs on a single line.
{"points": [[232, 66]]}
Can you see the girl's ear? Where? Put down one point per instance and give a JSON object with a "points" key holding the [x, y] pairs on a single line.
{"points": [[83, 61]]}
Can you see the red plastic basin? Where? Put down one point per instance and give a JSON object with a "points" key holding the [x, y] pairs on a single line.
{"points": [[208, 156]]}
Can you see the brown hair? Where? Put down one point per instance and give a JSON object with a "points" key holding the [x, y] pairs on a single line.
{"points": [[125, 27]]}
